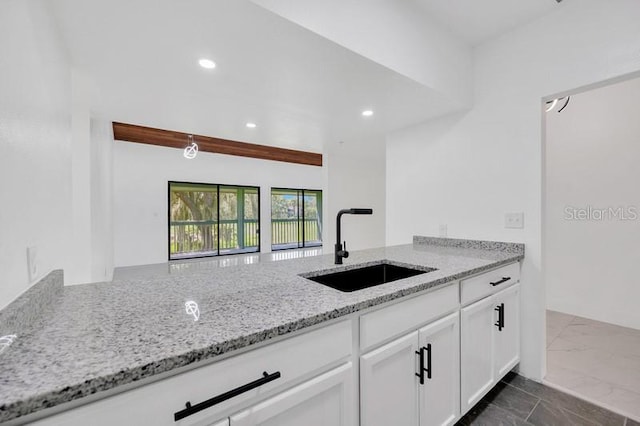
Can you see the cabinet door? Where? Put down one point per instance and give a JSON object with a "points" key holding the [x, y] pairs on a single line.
{"points": [[439, 397], [507, 337], [326, 400], [389, 385], [476, 340]]}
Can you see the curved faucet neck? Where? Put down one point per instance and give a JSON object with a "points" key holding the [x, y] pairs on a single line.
{"points": [[340, 213]]}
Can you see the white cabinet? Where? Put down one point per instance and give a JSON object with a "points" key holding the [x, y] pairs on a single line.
{"points": [[476, 340], [326, 400], [388, 384], [439, 397], [413, 380], [488, 283], [490, 343], [507, 337]]}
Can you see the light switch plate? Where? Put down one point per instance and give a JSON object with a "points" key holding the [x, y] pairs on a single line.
{"points": [[32, 263], [514, 220]]}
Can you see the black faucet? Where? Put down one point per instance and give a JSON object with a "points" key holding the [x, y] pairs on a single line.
{"points": [[340, 251]]}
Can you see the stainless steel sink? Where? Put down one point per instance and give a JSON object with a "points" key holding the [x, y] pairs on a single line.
{"points": [[366, 276]]}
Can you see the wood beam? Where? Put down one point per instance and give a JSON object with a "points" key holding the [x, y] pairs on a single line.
{"points": [[168, 138]]}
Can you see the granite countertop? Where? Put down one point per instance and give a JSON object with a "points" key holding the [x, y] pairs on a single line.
{"points": [[95, 337]]}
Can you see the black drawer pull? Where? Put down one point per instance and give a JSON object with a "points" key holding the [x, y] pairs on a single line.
{"points": [[192, 409], [503, 280]]}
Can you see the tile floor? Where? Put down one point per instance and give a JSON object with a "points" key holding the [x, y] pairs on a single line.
{"points": [[595, 361], [522, 402]]}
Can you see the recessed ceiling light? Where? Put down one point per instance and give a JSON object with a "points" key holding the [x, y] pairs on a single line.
{"points": [[251, 125], [367, 113], [207, 63]]}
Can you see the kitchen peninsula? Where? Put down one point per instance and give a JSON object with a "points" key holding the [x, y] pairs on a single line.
{"points": [[99, 342]]}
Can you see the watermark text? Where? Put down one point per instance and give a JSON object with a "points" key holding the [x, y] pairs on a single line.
{"points": [[590, 213]]}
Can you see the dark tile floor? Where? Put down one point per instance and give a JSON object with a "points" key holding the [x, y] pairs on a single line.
{"points": [[519, 401]]}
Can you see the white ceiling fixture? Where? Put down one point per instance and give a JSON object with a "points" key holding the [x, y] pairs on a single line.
{"points": [[251, 125], [550, 105], [6, 341], [207, 63], [191, 308], [191, 150], [367, 113]]}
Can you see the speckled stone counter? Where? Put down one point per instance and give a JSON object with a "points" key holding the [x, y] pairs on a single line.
{"points": [[32, 306], [101, 336]]}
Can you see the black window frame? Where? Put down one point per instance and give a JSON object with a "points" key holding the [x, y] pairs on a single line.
{"points": [[218, 185], [302, 191]]}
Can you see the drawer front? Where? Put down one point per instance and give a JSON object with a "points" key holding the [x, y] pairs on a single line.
{"points": [[295, 358], [384, 324], [475, 288], [326, 400]]}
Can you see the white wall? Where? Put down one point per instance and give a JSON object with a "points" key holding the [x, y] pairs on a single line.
{"points": [[35, 163], [101, 201], [79, 270], [91, 250], [356, 179], [468, 170], [592, 155], [140, 176]]}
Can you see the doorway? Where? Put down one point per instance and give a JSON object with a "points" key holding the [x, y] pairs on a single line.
{"points": [[591, 235]]}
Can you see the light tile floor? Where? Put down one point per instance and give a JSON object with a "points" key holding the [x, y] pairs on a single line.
{"points": [[596, 361]]}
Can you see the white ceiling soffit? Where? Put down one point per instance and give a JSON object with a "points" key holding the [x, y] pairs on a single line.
{"points": [[302, 90], [397, 34], [478, 21]]}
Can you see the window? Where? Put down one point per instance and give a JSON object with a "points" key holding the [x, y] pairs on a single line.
{"points": [[296, 218], [212, 220]]}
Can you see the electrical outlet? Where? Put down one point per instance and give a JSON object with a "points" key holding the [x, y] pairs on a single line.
{"points": [[514, 220], [443, 231], [32, 263]]}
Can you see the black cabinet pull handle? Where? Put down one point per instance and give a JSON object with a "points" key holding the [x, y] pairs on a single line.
{"points": [[192, 409], [500, 322], [428, 369], [423, 370], [503, 280]]}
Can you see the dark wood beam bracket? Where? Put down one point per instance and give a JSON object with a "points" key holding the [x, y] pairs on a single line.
{"points": [[168, 138]]}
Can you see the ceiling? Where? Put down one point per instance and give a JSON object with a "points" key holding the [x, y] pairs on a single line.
{"points": [[303, 91], [477, 21]]}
